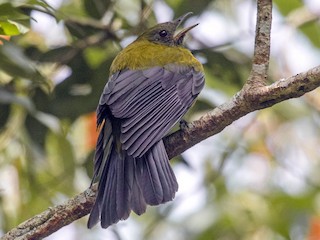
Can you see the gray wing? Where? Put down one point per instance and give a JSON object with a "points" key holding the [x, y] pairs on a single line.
{"points": [[149, 102]]}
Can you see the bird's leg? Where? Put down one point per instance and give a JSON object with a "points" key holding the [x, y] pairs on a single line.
{"points": [[183, 124]]}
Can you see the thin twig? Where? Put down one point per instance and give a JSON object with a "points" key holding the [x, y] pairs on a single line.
{"points": [[260, 61]]}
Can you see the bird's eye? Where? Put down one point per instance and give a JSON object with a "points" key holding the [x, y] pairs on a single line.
{"points": [[163, 33]]}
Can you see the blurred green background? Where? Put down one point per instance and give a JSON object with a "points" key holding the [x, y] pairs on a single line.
{"points": [[258, 179]]}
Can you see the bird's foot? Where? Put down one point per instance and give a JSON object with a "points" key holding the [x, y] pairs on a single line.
{"points": [[183, 125]]}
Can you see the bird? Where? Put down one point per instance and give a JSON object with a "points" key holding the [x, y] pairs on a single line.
{"points": [[152, 84]]}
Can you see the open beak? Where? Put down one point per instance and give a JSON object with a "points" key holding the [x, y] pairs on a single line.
{"points": [[178, 39]]}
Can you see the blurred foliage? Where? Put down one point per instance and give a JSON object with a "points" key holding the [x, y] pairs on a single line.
{"points": [[256, 180]]}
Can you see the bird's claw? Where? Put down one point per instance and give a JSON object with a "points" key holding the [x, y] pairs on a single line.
{"points": [[183, 124]]}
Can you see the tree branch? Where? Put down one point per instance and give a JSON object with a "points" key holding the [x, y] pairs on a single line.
{"points": [[253, 96], [53, 218], [260, 61]]}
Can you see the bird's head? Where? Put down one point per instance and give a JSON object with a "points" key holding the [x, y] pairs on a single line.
{"points": [[164, 33]]}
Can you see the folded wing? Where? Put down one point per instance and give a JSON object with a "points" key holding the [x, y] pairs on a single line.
{"points": [[149, 102]]}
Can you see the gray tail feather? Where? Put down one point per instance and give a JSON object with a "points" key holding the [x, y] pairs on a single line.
{"points": [[129, 184], [156, 178]]}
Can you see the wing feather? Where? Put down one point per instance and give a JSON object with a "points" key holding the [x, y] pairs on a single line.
{"points": [[143, 105], [121, 89], [133, 102], [149, 111], [149, 102], [140, 126]]}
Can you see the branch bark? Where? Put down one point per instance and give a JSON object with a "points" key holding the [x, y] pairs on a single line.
{"points": [[260, 61], [54, 218], [253, 96]]}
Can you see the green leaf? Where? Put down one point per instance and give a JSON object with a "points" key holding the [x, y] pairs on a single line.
{"points": [[7, 11], [8, 28], [96, 8], [60, 54], [181, 7], [7, 97], [311, 30], [229, 75], [83, 27], [40, 3], [60, 156], [285, 6], [14, 62], [96, 55], [296, 9]]}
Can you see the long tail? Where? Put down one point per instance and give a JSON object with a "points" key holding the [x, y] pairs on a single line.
{"points": [[129, 184]]}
